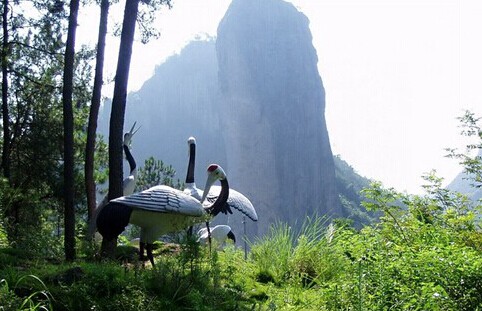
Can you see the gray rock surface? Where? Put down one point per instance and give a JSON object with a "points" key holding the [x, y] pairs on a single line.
{"points": [[272, 101], [255, 102]]}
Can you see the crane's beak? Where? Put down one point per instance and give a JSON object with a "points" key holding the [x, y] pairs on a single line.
{"points": [[209, 182], [132, 132]]}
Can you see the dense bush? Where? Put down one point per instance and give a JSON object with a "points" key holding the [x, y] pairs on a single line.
{"points": [[423, 254]]}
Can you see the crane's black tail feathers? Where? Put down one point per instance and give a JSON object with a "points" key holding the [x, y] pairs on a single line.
{"points": [[113, 219]]}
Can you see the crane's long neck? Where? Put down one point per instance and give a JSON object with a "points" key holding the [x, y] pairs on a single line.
{"points": [[191, 165], [130, 159], [220, 204]]}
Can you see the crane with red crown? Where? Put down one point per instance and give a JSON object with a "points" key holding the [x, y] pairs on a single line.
{"points": [[160, 210]]}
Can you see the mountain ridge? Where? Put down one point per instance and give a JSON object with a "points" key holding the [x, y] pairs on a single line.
{"points": [[252, 110]]}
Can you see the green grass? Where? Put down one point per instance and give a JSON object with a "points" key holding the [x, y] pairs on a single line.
{"points": [[35, 294], [401, 263]]}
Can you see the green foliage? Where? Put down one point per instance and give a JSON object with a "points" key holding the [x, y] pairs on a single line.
{"points": [[25, 295], [472, 129], [155, 172], [349, 186], [306, 257], [3, 236], [273, 252], [177, 283], [423, 254], [37, 225], [404, 262], [146, 16], [4, 187], [31, 205]]}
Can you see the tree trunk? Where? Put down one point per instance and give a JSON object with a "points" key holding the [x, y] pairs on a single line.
{"points": [[5, 112], [118, 109], [94, 111], [69, 209], [12, 210]]}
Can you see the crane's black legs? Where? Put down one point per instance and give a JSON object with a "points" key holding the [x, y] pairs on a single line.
{"points": [[141, 251], [149, 248], [209, 236], [189, 231]]}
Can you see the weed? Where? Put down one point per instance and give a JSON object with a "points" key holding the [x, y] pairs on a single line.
{"points": [[24, 295]]}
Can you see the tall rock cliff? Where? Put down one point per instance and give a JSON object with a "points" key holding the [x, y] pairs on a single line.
{"points": [[254, 100], [178, 102], [272, 104]]}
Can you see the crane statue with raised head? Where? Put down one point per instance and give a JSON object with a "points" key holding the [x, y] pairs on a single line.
{"points": [[160, 210], [128, 184], [236, 200]]}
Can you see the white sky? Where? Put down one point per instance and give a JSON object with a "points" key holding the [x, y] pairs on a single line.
{"points": [[396, 73]]}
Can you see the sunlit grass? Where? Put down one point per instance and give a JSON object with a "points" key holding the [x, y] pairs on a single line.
{"points": [[320, 266]]}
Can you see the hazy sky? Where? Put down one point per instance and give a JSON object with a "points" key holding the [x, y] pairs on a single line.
{"points": [[396, 73]]}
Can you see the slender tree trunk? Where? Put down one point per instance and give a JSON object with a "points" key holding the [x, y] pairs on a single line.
{"points": [[94, 111], [5, 112], [118, 109], [68, 115], [12, 210]]}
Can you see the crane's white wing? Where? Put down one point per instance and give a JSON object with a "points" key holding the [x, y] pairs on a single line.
{"points": [[163, 199], [236, 200]]}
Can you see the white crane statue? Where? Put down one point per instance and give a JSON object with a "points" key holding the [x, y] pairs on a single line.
{"points": [[236, 200], [128, 184], [160, 210], [219, 234]]}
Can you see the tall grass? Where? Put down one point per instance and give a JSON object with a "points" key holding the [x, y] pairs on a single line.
{"points": [[34, 299], [321, 266], [273, 252], [308, 256]]}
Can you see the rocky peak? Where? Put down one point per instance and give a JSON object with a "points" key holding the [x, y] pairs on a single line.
{"points": [[276, 139]]}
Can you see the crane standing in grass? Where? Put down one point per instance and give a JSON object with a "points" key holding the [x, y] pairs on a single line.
{"points": [[160, 210], [235, 201], [219, 234]]}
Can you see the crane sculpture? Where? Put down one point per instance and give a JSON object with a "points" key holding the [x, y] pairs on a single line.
{"points": [[236, 200], [219, 234], [160, 210], [128, 184]]}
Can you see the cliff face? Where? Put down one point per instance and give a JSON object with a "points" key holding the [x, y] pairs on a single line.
{"points": [[272, 106], [176, 103], [254, 100]]}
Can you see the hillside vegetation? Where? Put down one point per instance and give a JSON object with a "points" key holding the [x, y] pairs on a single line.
{"points": [[424, 254], [349, 185]]}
